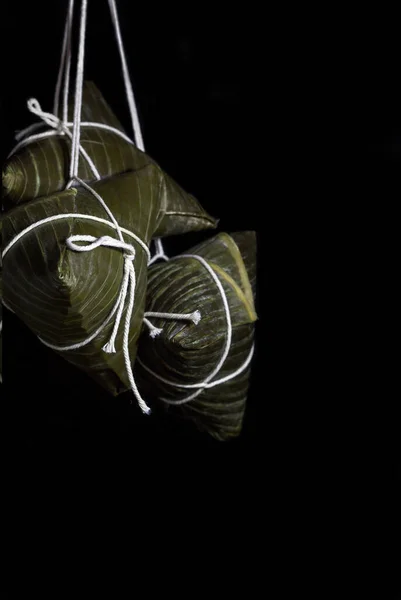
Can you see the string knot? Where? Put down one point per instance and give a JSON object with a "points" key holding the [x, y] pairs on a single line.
{"points": [[50, 119], [128, 281], [104, 240], [129, 272], [34, 106], [61, 128]]}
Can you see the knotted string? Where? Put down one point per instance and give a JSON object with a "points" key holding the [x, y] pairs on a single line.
{"points": [[61, 126], [60, 129], [136, 126], [128, 287], [65, 64]]}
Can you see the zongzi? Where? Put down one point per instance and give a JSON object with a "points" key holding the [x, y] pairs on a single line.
{"points": [[41, 167], [184, 353], [65, 296]]}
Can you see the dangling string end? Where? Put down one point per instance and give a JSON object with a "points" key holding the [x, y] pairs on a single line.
{"points": [[153, 331], [196, 317], [109, 348]]}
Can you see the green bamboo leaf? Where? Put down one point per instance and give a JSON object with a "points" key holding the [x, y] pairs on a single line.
{"points": [[64, 296], [186, 353]]}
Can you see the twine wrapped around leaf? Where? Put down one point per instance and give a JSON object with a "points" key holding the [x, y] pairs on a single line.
{"points": [[41, 167], [64, 296], [185, 353]]}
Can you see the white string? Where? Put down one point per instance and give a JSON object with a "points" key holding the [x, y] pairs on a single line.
{"points": [[104, 205], [153, 331], [63, 127], [127, 286], [79, 80], [159, 252], [88, 339], [57, 124], [136, 127], [129, 256], [129, 278], [54, 122], [65, 63], [104, 240], [204, 384], [24, 132], [72, 216], [129, 282], [68, 63], [195, 316], [207, 386]]}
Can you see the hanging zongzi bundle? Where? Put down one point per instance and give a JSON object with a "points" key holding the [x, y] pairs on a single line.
{"points": [[65, 296], [185, 354]]}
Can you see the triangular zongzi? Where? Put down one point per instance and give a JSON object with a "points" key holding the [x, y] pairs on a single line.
{"points": [[64, 296], [185, 353], [41, 167]]}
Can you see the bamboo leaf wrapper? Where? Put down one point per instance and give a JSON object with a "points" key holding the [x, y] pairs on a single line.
{"points": [[42, 167], [63, 296], [186, 353]]}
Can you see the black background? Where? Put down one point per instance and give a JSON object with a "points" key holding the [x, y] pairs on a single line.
{"points": [[192, 78], [321, 185]]}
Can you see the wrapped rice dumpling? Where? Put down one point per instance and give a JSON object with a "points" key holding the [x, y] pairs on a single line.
{"points": [[41, 167], [65, 296], [187, 353]]}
